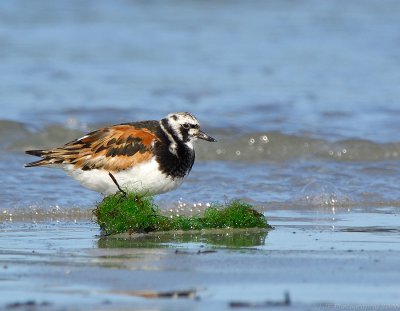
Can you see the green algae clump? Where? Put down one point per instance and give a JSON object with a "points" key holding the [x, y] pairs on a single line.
{"points": [[135, 213], [126, 213]]}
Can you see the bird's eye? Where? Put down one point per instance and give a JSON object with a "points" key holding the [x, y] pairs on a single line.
{"points": [[186, 125]]}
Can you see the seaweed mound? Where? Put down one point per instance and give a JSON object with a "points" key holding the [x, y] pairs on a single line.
{"points": [[133, 213]]}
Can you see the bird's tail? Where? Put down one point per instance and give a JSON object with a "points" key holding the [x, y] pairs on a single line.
{"points": [[38, 153]]}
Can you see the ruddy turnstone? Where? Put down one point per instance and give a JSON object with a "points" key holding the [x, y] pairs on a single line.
{"points": [[149, 157]]}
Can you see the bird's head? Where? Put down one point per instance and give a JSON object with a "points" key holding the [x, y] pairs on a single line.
{"points": [[186, 127]]}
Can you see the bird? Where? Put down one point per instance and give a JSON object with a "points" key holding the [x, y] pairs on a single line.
{"points": [[149, 157]]}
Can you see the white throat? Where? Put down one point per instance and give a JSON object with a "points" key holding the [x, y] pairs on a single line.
{"points": [[190, 144]]}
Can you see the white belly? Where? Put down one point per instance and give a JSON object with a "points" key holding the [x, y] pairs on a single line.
{"points": [[142, 178]]}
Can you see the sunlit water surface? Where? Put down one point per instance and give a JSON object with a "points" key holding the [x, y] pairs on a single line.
{"points": [[303, 97]]}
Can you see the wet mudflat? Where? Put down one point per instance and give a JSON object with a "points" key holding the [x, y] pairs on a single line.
{"points": [[312, 260]]}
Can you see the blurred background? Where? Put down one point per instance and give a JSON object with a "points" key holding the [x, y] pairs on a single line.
{"points": [[302, 95]]}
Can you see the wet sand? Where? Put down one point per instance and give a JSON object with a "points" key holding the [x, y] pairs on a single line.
{"points": [[313, 260]]}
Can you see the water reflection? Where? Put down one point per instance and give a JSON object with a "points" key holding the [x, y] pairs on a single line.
{"points": [[212, 238]]}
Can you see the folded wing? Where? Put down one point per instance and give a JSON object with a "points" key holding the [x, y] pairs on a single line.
{"points": [[112, 148]]}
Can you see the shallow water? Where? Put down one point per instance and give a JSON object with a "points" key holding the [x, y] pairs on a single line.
{"points": [[322, 262], [302, 96]]}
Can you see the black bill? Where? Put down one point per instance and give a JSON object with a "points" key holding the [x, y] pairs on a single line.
{"points": [[202, 135]]}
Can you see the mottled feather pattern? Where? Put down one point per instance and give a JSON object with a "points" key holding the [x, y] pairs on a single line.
{"points": [[113, 149]]}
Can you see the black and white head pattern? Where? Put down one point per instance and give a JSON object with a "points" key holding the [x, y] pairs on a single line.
{"points": [[184, 125], [180, 127]]}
